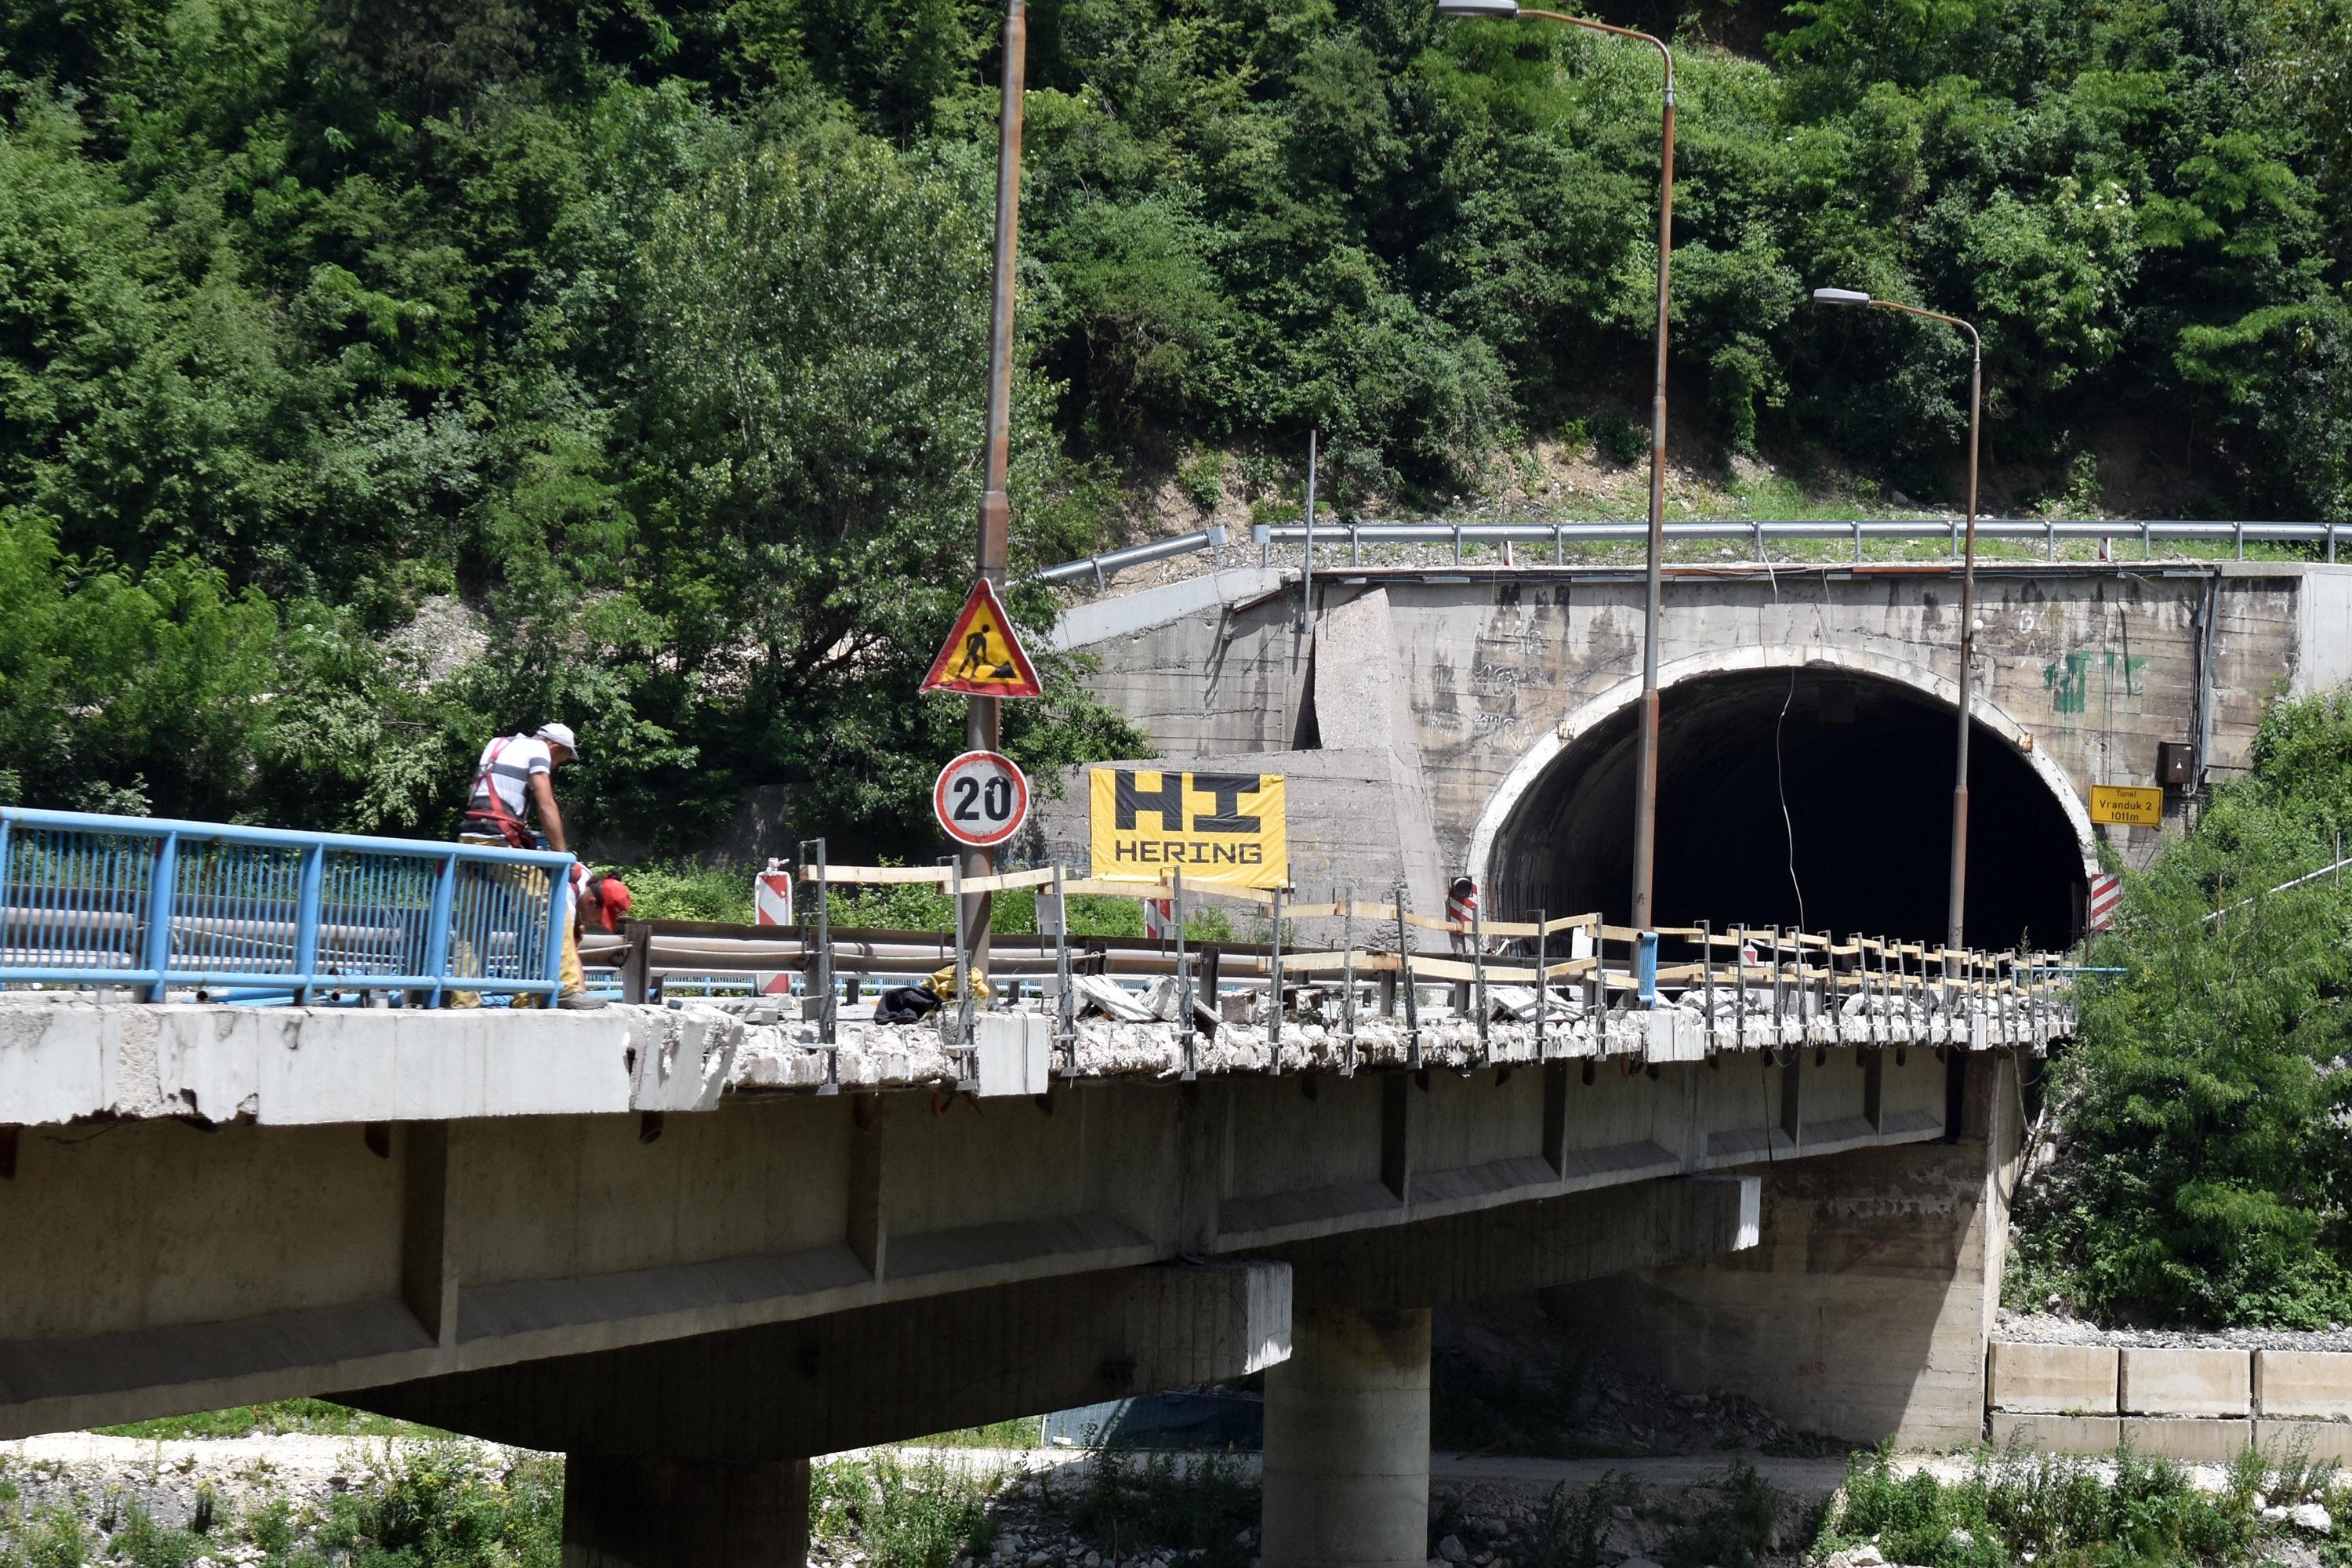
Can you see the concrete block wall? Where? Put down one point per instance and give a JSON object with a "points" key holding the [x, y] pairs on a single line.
{"points": [[2196, 1404]]}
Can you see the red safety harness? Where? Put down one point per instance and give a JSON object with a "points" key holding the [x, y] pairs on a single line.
{"points": [[505, 823]]}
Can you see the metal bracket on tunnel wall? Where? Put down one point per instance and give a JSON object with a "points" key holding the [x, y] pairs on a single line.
{"points": [[1645, 968]]}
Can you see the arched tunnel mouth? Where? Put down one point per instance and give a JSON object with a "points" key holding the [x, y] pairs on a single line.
{"points": [[1861, 767]]}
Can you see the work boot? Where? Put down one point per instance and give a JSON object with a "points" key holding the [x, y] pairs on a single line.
{"points": [[581, 1002]]}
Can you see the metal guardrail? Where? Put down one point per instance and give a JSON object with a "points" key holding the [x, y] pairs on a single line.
{"points": [[1759, 534], [153, 904]]}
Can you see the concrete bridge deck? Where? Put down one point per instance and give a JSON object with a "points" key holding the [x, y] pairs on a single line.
{"points": [[473, 1215]]}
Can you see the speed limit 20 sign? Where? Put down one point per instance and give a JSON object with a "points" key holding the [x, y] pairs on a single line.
{"points": [[981, 799]]}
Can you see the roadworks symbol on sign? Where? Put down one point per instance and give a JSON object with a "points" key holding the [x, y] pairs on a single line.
{"points": [[982, 658]]}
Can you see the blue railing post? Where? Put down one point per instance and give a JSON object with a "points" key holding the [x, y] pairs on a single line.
{"points": [[1645, 967], [8, 881], [559, 899], [307, 895], [436, 928], [162, 878]]}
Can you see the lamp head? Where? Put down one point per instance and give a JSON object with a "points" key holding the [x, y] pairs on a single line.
{"points": [[1495, 10], [1840, 296]]}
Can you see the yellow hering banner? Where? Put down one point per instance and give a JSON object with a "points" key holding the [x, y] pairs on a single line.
{"points": [[1215, 827]]}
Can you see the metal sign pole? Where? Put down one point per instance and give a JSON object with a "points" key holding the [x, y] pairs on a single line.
{"points": [[827, 1015], [963, 963]]}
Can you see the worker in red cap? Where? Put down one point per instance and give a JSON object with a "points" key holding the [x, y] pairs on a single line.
{"points": [[604, 900]]}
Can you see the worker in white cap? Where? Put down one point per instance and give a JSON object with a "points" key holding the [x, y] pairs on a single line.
{"points": [[515, 780]]}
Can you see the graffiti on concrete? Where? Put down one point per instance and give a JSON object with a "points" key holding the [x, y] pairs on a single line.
{"points": [[2069, 679]]}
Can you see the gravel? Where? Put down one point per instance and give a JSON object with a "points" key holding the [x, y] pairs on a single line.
{"points": [[2047, 1329]]}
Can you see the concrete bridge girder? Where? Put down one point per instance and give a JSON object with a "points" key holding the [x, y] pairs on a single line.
{"points": [[164, 1268]]}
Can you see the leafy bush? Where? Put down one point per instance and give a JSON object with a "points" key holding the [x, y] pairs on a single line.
{"points": [[1571, 1526], [453, 1505], [1736, 1531], [2204, 1119]]}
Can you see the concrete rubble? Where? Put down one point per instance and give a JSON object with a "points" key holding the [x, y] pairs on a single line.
{"points": [[1143, 1040]]}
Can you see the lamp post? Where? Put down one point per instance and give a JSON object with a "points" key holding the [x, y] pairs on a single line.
{"points": [[982, 725], [1953, 941], [1646, 787]]}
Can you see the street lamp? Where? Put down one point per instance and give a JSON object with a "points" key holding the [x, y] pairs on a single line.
{"points": [[1646, 788], [1959, 888]]}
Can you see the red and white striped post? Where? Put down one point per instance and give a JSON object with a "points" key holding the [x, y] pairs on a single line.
{"points": [[772, 905]]}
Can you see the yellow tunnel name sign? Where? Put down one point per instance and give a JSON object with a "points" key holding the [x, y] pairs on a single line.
{"points": [[2127, 806], [1214, 828]]}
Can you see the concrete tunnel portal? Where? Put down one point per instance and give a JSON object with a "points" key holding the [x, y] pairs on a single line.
{"points": [[1864, 767]]}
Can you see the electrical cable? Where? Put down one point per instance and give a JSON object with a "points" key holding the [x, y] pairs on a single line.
{"points": [[1780, 778]]}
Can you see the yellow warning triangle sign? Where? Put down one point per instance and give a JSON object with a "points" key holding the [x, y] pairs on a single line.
{"points": [[982, 658]]}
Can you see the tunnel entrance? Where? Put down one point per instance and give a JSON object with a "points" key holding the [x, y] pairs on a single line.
{"points": [[1863, 767]]}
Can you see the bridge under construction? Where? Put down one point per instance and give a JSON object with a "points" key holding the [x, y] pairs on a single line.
{"points": [[692, 1246]]}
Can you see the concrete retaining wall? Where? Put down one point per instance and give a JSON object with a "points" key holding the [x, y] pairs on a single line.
{"points": [[2199, 1404]]}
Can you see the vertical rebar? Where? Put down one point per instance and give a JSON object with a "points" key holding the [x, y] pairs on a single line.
{"points": [[1187, 1030], [1739, 998], [1543, 982], [1274, 993], [1348, 974], [1066, 1006], [1706, 970], [1404, 985], [1478, 973]]}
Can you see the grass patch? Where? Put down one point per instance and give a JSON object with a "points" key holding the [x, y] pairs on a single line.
{"points": [[317, 1416], [1024, 1432], [901, 1515], [433, 1505], [2072, 1513]]}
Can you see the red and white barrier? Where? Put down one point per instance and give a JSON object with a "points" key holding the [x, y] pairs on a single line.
{"points": [[772, 905]]}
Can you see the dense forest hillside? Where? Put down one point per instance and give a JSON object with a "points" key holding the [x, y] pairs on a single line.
{"points": [[652, 331]]}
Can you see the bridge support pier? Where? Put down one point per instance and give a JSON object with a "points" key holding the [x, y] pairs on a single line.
{"points": [[631, 1511], [1347, 1442]]}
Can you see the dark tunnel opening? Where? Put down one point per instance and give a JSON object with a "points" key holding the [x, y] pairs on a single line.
{"points": [[1864, 767]]}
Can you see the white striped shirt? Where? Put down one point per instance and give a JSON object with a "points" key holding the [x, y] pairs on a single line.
{"points": [[507, 767]]}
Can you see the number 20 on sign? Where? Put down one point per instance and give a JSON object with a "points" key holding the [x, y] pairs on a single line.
{"points": [[982, 798]]}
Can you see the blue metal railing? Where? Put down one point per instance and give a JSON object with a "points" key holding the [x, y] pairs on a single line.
{"points": [[153, 904]]}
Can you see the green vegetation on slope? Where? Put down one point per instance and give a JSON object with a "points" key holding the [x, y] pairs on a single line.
{"points": [[2063, 1511], [2204, 1119], [651, 334]]}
